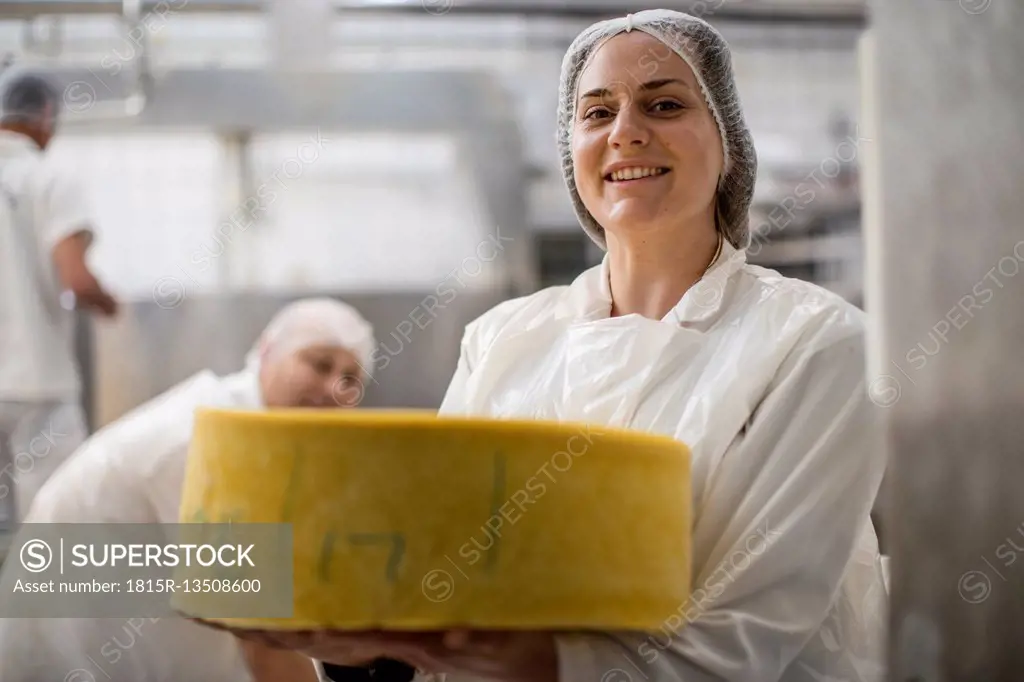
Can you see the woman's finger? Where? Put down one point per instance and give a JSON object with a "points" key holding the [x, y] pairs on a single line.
{"points": [[457, 640]]}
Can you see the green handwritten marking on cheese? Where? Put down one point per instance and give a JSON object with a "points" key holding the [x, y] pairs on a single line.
{"points": [[498, 498], [291, 493], [326, 553], [397, 542], [227, 533]]}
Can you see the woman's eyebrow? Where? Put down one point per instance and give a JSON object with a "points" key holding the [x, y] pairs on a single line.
{"points": [[649, 85], [662, 82]]}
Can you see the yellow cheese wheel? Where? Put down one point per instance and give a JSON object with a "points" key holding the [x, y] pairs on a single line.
{"points": [[430, 522]]}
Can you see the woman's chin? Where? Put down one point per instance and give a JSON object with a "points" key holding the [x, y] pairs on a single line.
{"points": [[630, 217]]}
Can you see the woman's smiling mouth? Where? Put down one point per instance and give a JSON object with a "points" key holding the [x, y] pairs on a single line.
{"points": [[634, 173]]}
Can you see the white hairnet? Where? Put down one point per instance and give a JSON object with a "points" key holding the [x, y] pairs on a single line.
{"points": [[319, 321], [708, 56]]}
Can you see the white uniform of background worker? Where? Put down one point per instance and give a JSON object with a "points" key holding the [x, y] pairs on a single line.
{"points": [[45, 231], [763, 376], [311, 355]]}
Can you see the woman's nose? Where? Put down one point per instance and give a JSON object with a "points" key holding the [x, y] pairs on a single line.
{"points": [[629, 129], [344, 393], [329, 394]]}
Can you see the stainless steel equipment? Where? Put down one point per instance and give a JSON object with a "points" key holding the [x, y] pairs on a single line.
{"points": [[150, 348], [851, 11], [945, 254]]}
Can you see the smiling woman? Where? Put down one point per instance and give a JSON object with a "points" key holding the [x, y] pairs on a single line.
{"points": [[311, 369], [642, 94], [646, 151], [650, 156], [674, 333]]}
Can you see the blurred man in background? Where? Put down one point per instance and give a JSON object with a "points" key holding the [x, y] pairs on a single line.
{"points": [[312, 354], [45, 232]]}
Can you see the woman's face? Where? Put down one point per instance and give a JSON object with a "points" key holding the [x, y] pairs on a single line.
{"points": [[316, 376], [646, 150]]}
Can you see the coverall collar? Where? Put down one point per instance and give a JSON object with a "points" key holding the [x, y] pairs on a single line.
{"points": [[592, 295]]}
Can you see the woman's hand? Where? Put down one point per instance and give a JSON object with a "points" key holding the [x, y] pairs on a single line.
{"points": [[273, 665], [499, 656]]}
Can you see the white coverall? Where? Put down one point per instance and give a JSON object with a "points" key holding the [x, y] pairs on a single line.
{"points": [[132, 471], [40, 420], [764, 378]]}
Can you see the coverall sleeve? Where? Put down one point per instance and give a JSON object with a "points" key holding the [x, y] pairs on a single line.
{"points": [[455, 397], [65, 209], [99, 496], [88, 488], [782, 516]]}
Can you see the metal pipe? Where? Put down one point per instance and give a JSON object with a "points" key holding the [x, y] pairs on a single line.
{"points": [[850, 12], [132, 14]]}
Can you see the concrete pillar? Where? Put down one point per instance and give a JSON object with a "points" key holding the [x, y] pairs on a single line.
{"points": [[944, 228]]}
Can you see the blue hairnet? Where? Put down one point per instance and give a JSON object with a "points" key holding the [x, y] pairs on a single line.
{"points": [[26, 98]]}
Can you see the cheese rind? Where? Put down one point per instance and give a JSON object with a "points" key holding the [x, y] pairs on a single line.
{"points": [[407, 520]]}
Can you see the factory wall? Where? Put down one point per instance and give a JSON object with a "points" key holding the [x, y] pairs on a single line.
{"points": [[199, 222], [796, 82], [322, 210]]}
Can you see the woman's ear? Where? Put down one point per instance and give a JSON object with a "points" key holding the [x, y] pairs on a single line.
{"points": [[264, 349]]}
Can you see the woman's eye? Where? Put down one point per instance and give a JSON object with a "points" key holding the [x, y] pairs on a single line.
{"points": [[666, 105], [322, 367], [595, 114]]}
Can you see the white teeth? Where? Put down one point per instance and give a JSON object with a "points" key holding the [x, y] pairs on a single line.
{"points": [[635, 173]]}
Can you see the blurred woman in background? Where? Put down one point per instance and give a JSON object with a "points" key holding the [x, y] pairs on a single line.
{"points": [[675, 333], [312, 354]]}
